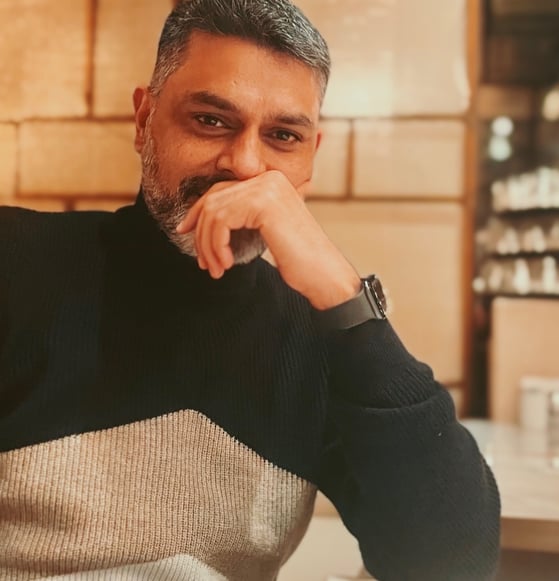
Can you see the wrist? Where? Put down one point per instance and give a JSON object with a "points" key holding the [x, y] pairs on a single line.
{"points": [[369, 303], [336, 293]]}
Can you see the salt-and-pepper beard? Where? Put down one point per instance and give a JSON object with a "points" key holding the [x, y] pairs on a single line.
{"points": [[168, 208]]}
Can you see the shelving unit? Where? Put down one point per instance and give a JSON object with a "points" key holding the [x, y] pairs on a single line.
{"points": [[520, 244]]}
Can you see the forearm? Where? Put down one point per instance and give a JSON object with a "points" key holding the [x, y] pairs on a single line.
{"points": [[415, 490]]}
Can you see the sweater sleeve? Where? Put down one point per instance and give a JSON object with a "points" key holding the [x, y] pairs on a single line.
{"points": [[6, 249], [407, 479]]}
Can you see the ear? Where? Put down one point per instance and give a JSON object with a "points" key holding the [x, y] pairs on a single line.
{"points": [[318, 140], [142, 109]]}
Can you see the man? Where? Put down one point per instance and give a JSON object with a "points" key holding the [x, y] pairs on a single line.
{"points": [[171, 402]]}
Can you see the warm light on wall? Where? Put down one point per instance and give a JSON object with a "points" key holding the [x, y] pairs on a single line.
{"points": [[550, 108]]}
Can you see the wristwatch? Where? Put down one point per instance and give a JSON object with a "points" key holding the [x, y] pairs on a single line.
{"points": [[369, 304]]}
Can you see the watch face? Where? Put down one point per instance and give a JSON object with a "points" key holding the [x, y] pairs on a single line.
{"points": [[376, 286]]}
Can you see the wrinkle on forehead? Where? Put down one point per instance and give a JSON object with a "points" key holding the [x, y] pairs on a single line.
{"points": [[252, 77]]}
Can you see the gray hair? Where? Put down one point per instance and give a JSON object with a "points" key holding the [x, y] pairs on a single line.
{"points": [[275, 24]]}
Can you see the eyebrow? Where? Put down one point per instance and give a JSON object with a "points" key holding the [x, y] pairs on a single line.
{"points": [[208, 98]]}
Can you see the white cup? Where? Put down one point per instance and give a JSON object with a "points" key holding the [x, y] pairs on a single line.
{"points": [[538, 397]]}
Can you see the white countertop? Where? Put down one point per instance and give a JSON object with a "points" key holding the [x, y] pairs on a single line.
{"points": [[526, 467]]}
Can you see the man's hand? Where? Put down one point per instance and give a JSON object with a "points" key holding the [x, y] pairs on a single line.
{"points": [[305, 257]]}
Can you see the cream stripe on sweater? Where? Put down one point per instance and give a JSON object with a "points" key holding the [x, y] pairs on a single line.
{"points": [[166, 487]]}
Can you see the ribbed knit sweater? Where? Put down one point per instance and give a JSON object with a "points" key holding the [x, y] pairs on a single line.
{"points": [[158, 424]]}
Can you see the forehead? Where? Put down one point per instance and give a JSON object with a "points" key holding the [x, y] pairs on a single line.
{"points": [[253, 77]]}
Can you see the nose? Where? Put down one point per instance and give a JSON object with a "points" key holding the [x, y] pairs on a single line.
{"points": [[243, 155]]}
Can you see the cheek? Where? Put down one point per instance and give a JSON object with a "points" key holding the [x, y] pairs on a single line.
{"points": [[302, 169], [175, 164], [187, 157], [168, 169]]}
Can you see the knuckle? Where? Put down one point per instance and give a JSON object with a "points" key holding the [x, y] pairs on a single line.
{"points": [[210, 205], [220, 215]]}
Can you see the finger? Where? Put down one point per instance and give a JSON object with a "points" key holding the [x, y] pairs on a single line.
{"points": [[201, 262], [221, 239], [224, 214], [188, 223], [213, 251], [223, 221], [204, 235], [220, 186]]}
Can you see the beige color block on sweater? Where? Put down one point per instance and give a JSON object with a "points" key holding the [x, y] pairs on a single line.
{"points": [[175, 485]]}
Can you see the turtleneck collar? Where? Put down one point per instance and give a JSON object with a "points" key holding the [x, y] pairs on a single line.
{"points": [[138, 234]]}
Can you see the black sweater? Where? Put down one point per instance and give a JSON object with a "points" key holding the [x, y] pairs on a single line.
{"points": [[159, 422]]}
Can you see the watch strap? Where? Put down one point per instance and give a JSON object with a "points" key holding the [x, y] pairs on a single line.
{"points": [[368, 304]]}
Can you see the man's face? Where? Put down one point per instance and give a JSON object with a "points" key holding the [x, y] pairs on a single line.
{"points": [[232, 111]]}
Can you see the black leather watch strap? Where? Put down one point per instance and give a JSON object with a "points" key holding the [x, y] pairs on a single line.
{"points": [[368, 304]]}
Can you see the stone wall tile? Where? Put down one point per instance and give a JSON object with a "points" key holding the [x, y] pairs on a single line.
{"points": [[125, 50], [8, 155], [73, 158], [409, 158], [416, 249], [394, 57], [44, 48], [331, 164]]}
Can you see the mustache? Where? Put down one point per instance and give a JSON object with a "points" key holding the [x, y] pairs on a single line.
{"points": [[192, 188]]}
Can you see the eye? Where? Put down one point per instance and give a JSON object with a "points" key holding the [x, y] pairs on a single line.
{"points": [[286, 136], [210, 121]]}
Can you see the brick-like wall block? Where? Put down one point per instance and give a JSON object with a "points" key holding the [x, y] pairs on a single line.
{"points": [[400, 57], [41, 205], [44, 56], [331, 163], [125, 49], [8, 157], [103, 205], [75, 158], [409, 158], [417, 250]]}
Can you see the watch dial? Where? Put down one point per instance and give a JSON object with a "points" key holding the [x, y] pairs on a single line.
{"points": [[377, 288]]}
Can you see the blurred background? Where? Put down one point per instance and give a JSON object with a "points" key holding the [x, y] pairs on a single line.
{"points": [[439, 171]]}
